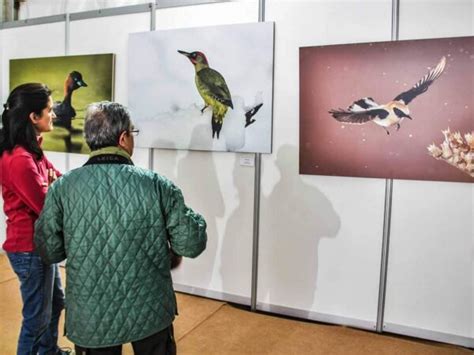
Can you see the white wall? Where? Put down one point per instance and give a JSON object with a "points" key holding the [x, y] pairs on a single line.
{"points": [[321, 236], [214, 183], [38, 8], [430, 271], [109, 35]]}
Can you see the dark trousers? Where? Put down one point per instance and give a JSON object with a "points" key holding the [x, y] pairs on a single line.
{"points": [[161, 343]]}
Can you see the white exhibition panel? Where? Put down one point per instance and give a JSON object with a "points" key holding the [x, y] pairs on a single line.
{"points": [[38, 8], [225, 13], [109, 35], [214, 184], [436, 18], [320, 236], [430, 272], [21, 42], [430, 269]]}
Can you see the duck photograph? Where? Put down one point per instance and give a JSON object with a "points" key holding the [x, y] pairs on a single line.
{"points": [[382, 109], [208, 88], [75, 82]]}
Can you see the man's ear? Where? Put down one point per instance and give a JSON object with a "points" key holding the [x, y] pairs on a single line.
{"points": [[121, 141]]}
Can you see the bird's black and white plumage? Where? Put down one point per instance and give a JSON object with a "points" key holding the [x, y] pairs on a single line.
{"points": [[250, 113], [392, 113]]}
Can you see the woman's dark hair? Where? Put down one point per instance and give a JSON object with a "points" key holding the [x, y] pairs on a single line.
{"points": [[17, 126]]}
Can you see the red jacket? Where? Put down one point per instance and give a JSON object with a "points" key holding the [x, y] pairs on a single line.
{"points": [[24, 181]]}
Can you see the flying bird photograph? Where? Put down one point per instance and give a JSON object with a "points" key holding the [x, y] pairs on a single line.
{"points": [[207, 88], [75, 81], [372, 109], [392, 113]]}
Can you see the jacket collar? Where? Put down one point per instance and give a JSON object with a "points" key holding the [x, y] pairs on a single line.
{"points": [[109, 155]]}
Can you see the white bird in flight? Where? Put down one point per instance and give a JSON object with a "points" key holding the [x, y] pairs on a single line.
{"points": [[392, 113]]}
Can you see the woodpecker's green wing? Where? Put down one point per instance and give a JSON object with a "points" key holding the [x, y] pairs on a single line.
{"points": [[213, 83]]}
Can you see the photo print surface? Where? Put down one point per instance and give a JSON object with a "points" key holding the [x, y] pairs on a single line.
{"points": [[399, 110], [75, 81], [207, 88]]}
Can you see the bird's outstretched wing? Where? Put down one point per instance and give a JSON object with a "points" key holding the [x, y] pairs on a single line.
{"points": [[216, 85], [422, 85], [359, 116], [363, 104]]}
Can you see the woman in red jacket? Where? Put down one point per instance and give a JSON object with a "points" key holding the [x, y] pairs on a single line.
{"points": [[25, 175]]}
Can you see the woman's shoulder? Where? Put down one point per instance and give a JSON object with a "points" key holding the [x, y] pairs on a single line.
{"points": [[20, 151], [17, 155]]}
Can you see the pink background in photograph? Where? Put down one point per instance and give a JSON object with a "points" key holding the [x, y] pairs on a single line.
{"points": [[333, 77]]}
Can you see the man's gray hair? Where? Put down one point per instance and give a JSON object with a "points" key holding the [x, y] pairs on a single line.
{"points": [[104, 123]]}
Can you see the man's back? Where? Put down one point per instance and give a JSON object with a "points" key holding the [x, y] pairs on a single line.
{"points": [[115, 223]]}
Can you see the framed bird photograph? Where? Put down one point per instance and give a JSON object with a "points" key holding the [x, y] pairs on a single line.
{"points": [[398, 110], [75, 81], [207, 88]]}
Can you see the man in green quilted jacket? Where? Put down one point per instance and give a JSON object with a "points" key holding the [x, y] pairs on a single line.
{"points": [[121, 228]]}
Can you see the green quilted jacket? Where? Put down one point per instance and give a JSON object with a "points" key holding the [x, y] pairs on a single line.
{"points": [[116, 224]]}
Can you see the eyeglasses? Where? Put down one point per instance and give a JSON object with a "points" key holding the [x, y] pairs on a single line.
{"points": [[134, 132]]}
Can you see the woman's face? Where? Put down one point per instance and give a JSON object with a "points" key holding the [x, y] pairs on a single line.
{"points": [[44, 122]]}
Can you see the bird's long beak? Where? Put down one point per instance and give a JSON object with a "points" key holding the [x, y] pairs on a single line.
{"points": [[184, 53], [81, 83]]}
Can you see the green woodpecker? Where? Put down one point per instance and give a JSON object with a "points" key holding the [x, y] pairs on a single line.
{"points": [[212, 88]]}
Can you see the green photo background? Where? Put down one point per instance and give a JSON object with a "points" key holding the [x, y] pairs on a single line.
{"points": [[97, 71]]}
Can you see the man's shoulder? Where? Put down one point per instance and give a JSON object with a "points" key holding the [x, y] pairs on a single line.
{"points": [[87, 172]]}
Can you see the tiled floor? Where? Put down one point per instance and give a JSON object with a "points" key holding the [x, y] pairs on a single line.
{"points": [[212, 327]]}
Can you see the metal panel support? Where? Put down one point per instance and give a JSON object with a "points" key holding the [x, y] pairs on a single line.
{"points": [[256, 202], [152, 16], [152, 9], [384, 259], [2, 12], [10, 10], [67, 35], [256, 227], [388, 206], [395, 19]]}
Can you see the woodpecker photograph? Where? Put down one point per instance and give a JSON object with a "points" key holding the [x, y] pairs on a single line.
{"points": [[378, 109], [75, 81], [207, 88]]}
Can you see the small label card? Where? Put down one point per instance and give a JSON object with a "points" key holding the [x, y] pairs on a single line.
{"points": [[247, 160]]}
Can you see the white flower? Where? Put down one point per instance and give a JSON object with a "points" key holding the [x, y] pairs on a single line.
{"points": [[434, 150], [447, 153], [469, 137], [455, 150]]}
